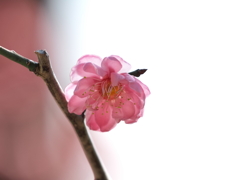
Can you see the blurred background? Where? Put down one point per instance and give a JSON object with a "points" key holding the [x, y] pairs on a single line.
{"points": [[190, 128]]}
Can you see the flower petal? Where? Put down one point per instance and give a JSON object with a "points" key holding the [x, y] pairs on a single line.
{"points": [[137, 88], [90, 58], [76, 105], [90, 121], [136, 85], [111, 64], [94, 101], [86, 70], [128, 110], [137, 115], [135, 99], [104, 119], [93, 69], [115, 78], [110, 125], [123, 109], [130, 121], [85, 87], [125, 65], [69, 90], [144, 87], [75, 74]]}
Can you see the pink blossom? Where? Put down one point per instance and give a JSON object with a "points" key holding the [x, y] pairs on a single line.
{"points": [[106, 91]]}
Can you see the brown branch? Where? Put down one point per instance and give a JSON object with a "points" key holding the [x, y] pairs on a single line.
{"points": [[138, 72], [31, 65], [44, 70]]}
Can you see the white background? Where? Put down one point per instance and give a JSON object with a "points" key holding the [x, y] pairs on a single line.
{"points": [[190, 129]]}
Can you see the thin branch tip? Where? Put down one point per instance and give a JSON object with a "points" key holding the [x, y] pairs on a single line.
{"points": [[12, 55], [138, 72], [42, 52]]}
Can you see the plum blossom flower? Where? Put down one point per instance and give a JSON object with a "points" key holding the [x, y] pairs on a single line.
{"points": [[106, 91]]}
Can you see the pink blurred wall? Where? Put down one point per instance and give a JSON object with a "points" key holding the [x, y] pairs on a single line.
{"points": [[36, 140]]}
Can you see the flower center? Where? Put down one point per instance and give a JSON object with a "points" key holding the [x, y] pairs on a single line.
{"points": [[108, 91]]}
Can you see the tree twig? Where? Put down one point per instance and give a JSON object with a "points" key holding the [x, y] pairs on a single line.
{"points": [[44, 70], [138, 72], [31, 65]]}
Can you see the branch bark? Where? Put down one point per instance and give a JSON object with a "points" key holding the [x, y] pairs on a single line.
{"points": [[44, 70], [10, 54]]}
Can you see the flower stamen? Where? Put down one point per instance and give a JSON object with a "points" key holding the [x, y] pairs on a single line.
{"points": [[109, 92]]}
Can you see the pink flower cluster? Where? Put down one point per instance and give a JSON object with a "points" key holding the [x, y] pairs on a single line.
{"points": [[106, 91]]}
